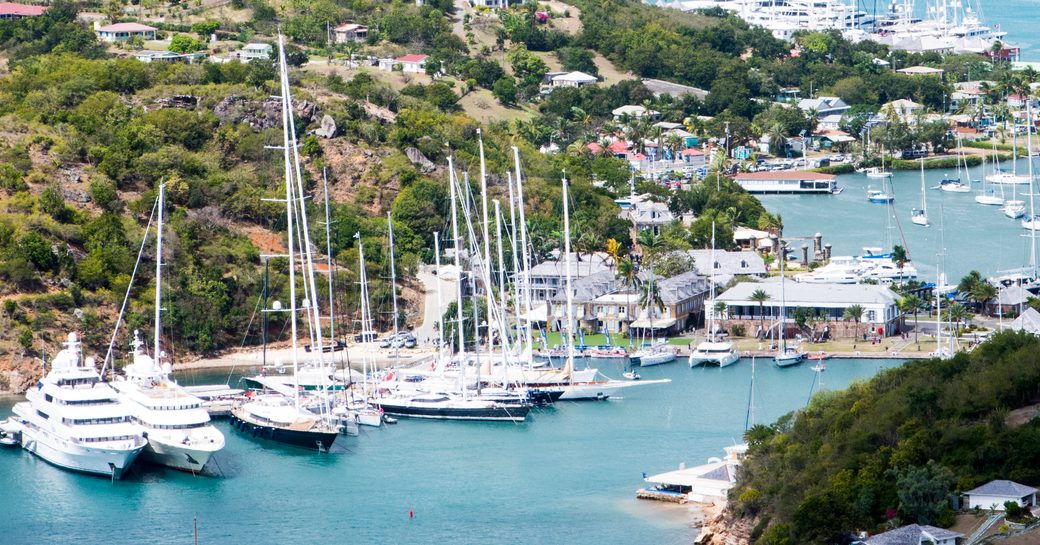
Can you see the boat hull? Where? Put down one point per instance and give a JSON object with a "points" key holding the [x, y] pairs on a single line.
{"points": [[720, 360], [173, 455], [107, 462], [593, 391], [652, 359], [788, 361], [297, 438], [515, 413], [989, 200]]}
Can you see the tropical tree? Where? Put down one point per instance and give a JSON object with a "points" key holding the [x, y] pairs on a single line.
{"points": [[628, 275], [760, 296], [853, 313], [650, 299], [982, 293], [969, 281], [614, 250], [911, 304], [650, 243], [958, 314], [900, 258]]}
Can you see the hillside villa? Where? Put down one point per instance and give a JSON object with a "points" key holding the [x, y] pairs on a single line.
{"points": [[121, 32]]}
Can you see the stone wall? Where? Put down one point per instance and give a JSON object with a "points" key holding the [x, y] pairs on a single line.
{"points": [[838, 329]]}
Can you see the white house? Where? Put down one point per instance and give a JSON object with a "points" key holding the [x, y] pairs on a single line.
{"points": [[914, 534], [255, 51], [905, 110], [10, 10], [831, 122], [494, 4], [921, 71], [824, 106], [350, 32], [570, 79], [993, 494], [121, 32], [729, 264], [646, 214], [634, 111], [415, 63]]}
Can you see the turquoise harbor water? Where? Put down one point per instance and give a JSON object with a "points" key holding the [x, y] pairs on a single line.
{"points": [[1019, 18], [569, 475], [976, 236]]}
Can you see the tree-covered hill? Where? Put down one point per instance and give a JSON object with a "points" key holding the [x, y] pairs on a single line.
{"points": [[894, 450]]}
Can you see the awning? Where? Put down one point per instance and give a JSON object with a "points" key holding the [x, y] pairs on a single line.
{"points": [[658, 323], [539, 313]]}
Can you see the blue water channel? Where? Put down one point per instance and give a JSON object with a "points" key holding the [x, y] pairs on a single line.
{"points": [[568, 475]]}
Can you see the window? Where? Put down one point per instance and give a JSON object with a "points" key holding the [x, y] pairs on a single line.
{"points": [[871, 316], [717, 265], [743, 264]]}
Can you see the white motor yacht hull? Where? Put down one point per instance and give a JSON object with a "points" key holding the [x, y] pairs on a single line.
{"points": [[167, 450], [589, 391], [1009, 179], [919, 220], [77, 457], [653, 359], [955, 188]]}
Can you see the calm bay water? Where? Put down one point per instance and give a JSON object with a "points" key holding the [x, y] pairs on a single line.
{"points": [[976, 237], [1019, 18], [568, 475]]}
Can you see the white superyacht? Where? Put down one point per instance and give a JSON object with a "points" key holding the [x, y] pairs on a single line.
{"points": [[178, 428], [74, 420]]}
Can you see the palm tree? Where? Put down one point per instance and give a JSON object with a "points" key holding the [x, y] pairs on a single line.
{"points": [[628, 274], [969, 282], [911, 304], [777, 139], [650, 244], [900, 258], [650, 299], [760, 296], [854, 313], [958, 313], [982, 293]]}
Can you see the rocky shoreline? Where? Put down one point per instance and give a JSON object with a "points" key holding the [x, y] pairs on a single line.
{"points": [[723, 529]]}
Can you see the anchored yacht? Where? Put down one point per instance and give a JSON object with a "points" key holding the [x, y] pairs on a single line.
{"points": [[74, 420]]}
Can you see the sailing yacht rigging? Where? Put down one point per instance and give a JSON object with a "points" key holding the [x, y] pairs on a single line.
{"points": [[178, 428], [281, 417], [713, 350], [786, 356], [919, 216]]}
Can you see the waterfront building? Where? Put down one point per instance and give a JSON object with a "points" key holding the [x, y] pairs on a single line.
{"points": [[350, 32], [879, 303], [913, 534], [121, 32], [10, 10], [787, 181], [994, 494], [730, 264], [708, 483]]}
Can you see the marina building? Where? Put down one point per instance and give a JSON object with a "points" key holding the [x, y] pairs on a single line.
{"points": [[787, 181], [879, 303], [729, 264], [708, 483]]}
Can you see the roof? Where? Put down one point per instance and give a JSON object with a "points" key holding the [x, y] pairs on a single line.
{"points": [[633, 110], [912, 535], [902, 104], [691, 152], [660, 87], [1029, 321], [920, 71], [127, 27], [348, 26], [693, 476], [822, 104], [682, 286], [412, 58], [258, 46], [1012, 295], [580, 264], [784, 175], [647, 212], [576, 77], [825, 295], [1001, 488], [21, 10], [732, 263]]}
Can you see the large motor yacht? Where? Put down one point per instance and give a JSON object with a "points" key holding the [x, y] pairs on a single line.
{"points": [[74, 420]]}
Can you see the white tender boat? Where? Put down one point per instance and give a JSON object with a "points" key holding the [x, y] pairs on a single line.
{"points": [[1014, 209], [177, 425], [75, 421], [790, 355], [877, 173]]}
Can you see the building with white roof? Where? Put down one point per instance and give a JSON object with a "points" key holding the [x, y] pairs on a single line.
{"points": [[121, 32], [708, 483], [921, 71], [549, 276], [555, 80], [1029, 322], [647, 214], [635, 111], [729, 264], [994, 494], [879, 303], [255, 51]]}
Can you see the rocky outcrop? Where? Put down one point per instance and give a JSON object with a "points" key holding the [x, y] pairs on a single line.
{"points": [[418, 159], [260, 115], [725, 530], [186, 102], [328, 127]]}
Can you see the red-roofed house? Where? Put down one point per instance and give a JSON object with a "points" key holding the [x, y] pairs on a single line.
{"points": [[692, 155], [121, 32], [9, 10]]}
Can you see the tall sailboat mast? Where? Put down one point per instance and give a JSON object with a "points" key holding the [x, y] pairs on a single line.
{"points": [[458, 264], [570, 294], [290, 196], [440, 303], [328, 254], [156, 353], [1032, 210], [526, 256], [393, 277]]}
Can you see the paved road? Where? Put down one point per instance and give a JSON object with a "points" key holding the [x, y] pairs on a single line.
{"points": [[427, 331]]}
